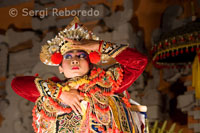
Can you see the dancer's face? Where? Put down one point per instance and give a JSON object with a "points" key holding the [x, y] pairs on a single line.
{"points": [[75, 63]]}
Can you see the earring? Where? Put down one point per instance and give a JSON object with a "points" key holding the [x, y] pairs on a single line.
{"points": [[61, 72]]}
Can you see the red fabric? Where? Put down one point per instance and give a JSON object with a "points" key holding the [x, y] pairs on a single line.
{"points": [[25, 87], [133, 64]]}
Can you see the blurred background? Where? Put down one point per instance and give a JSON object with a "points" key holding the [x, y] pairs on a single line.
{"points": [[167, 31]]}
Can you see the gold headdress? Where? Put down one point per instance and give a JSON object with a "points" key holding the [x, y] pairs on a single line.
{"points": [[53, 50]]}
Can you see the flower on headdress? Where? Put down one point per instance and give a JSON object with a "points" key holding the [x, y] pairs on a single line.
{"points": [[56, 58], [94, 57]]}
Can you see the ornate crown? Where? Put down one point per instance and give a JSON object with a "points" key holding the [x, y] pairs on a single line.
{"points": [[52, 51]]}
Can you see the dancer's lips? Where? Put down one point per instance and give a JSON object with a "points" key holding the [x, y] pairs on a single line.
{"points": [[75, 68]]}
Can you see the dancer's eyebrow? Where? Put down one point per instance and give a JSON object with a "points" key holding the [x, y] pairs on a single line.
{"points": [[76, 51], [68, 54], [80, 52]]}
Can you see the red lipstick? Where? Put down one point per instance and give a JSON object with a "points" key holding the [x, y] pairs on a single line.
{"points": [[75, 68]]}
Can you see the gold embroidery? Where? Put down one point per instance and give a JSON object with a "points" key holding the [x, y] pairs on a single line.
{"points": [[114, 112]]}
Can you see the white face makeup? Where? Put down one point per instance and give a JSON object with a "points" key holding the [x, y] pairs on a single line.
{"points": [[75, 63]]}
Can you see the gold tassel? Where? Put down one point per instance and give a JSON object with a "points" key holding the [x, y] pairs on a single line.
{"points": [[196, 76]]}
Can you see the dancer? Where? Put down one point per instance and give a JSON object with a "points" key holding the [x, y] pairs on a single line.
{"points": [[93, 97]]}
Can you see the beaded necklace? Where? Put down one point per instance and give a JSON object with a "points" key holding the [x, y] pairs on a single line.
{"points": [[74, 83]]}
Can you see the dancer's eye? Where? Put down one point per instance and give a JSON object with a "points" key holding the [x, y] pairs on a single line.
{"points": [[82, 55], [67, 56]]}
